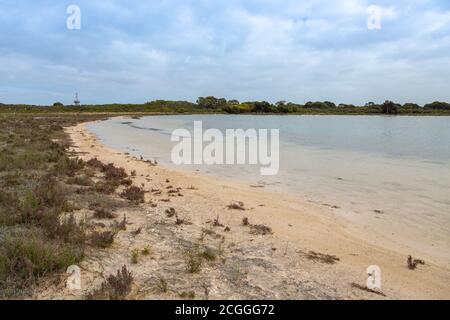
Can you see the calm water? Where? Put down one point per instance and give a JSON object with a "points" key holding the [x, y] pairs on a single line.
{"points": [[389, 174]]}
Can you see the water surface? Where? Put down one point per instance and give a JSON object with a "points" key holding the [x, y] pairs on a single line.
{"points": [[391, 175]]}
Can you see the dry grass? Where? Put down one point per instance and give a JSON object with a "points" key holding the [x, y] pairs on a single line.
{"points": [[171, 212], [194, 260], [37, 237], [101, 213], [134, 194], [115, 287], [103, 239], [257, 229], [413, 263], [236, 205], [120, 226], [364, 288], [323, 258]]}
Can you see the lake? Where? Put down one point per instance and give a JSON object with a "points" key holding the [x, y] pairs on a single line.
{"points": [[384, 173]]}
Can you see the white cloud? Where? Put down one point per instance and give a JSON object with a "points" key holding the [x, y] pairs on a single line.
{"points": [[301, 50]]}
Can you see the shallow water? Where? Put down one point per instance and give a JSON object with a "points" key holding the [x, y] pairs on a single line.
{"points": [[391, 175]]}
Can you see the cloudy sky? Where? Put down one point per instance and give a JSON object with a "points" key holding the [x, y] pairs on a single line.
{"points": [[294, 50]]}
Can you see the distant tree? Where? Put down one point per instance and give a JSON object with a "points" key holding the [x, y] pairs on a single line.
{"points": [[411, 106], [233, 102], [369, 104], [58, 104], [263, 106], [389, 107], [330, 104], [320, 105], [438, 106], [211, 102]]}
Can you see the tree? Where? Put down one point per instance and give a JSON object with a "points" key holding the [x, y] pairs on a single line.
{"points": [[330, 104], [438, 106], [58, 104], [389, 107], [411, 106], [262, 106], [319, 105], [211, 102]]}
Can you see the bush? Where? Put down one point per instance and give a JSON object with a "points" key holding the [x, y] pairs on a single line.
{"points": [[134, 194], [80, 181], [194, 260], [102, 239], [115, 287], [438, 106], [101, 213], [26, 255]]}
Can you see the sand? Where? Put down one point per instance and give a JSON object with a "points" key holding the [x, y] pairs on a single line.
{"points": [[272, 266]]}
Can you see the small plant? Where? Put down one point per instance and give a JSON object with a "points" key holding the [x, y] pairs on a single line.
{"points": [[216, 222], [162, 285], [133, 173], [187, 295], [323, 258], [82, 180], [236, 273], [179, 221], [101, 213], [260, 229], [171, 212], [136, 232], [134, 194], [116, 287], [105, 187], [95, 163], [135, 256], [146, 251], [67, 230], [236, 205], [113, 173], [120, 226], [257, 229], [193, 260], [412, 263], [365, 288], [102, 239], [209, 254]]}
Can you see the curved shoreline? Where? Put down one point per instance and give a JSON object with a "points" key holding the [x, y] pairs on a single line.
{"points": [[298, 227]]}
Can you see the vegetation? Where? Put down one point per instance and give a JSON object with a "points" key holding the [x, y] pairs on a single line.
{"points": [[116, 287], [40, 233], [413, 263], [212, 104]]}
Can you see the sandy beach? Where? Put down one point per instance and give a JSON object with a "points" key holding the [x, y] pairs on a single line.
{"points": [[312, 253]]}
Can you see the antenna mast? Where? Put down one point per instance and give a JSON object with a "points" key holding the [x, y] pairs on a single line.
{"points": [[76, 101]]}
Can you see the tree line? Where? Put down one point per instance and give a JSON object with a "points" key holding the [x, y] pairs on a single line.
{"points": [[388, 107], [212, 104]]}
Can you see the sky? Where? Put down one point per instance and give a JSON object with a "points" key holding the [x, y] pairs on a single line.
{"points": [[292, 50]]}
